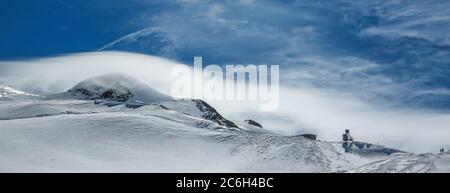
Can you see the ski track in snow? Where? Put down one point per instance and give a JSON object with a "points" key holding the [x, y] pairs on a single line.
{"points": [[409, 163]]}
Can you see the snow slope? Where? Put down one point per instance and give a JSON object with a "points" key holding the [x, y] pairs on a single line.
{"points": [[409, 163], [154, 139], [7, 91], [73, 132]]}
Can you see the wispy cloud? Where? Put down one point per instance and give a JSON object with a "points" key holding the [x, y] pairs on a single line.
{"points": [[417, 19], [389, 53], [153, 39]]}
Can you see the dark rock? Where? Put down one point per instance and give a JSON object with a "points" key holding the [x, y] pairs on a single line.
{"points": [[211, 114], [84, 92], [310, 136], [368, 148], [120, 94], [134, 105], [164, 107], [254, 123], [114, 95]]}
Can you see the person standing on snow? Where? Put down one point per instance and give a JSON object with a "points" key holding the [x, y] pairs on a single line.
{"points": [[348, 141]]}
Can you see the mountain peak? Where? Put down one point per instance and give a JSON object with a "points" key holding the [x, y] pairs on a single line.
{"points": [[116, 87]]}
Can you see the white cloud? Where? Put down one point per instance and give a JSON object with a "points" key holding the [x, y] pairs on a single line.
{"points": [[418, 19], [57, 74]]}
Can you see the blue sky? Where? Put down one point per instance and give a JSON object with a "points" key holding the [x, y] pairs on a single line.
{"points": [[391, 52], [52, 27]]}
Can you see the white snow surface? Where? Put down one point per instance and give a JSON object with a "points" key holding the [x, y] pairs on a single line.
{"points": [[409, 163], [7, 91], [63, 134], [40, 136]]}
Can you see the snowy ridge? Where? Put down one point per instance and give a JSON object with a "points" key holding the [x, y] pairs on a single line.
{"points": [[368, 149], [151, 138], [201, 109], [75, 131], [210, 113]]}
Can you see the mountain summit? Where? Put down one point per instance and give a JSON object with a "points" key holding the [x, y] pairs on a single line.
{"points": [[116, 87]]}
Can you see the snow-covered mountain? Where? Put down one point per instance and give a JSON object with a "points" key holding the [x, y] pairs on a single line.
{"points": [[113, 123], [114, 87]]}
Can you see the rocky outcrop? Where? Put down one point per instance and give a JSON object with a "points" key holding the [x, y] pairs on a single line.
{"points": [[114, 87], [254, 123], [309, 136], [211, 114], [117, 94]]}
